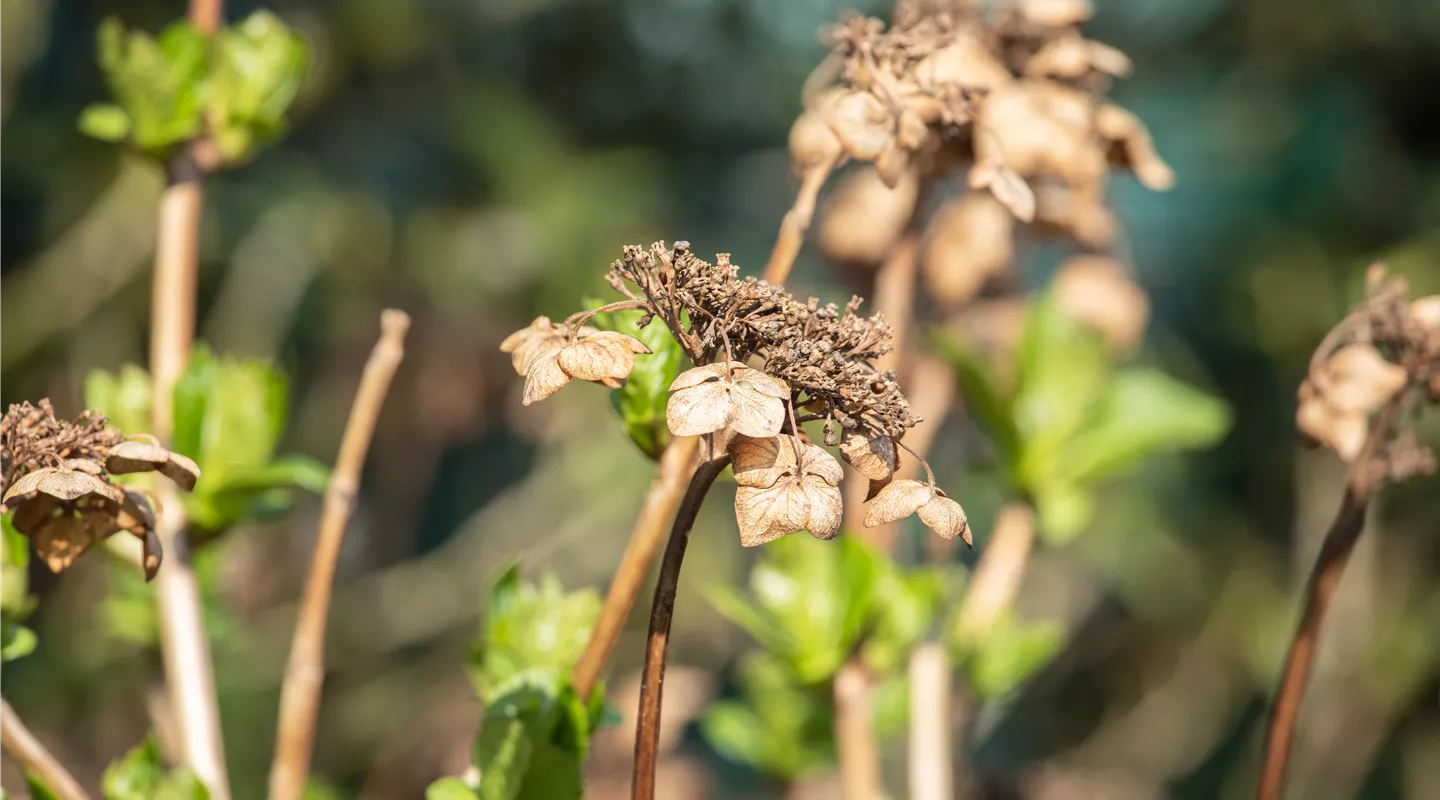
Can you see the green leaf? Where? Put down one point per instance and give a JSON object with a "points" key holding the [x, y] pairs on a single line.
{"points": [[39, 789], [986, 399], [1141, 413], [192, 391], [890, 701], [258, 71], [1063, 510], [157, 84], [1012, 652], [319, 789], [526, 628], [105, 121], [16, 641], [450, 789], [142, 775], [532, 740], [1064, 367], [737, 733], [780, 727], [905, 607], [641, 401], [123, 397]]}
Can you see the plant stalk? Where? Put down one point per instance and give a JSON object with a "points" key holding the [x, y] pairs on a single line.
{"points": [[796, 224], [672, 473], [931, 776], [662, 611], [1361, 481], [22, 746], [855, 733], [305, 670], [996, 580]]}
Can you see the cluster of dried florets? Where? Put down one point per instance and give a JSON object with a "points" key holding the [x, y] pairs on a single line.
{"points": [[56, 481], [1386, 351], [812, 362]]}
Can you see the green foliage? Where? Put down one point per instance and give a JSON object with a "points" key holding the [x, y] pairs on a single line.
{"points": [[229, 416], [777, 727], [128, 607], [16, 640], [536, 729], [1069, 418], [641, 401], [258, 69], [1012, 651], [167, 88], [39, 789], [142, 775]]}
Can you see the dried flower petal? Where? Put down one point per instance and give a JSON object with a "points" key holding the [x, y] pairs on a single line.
{"points": [[905, 497], [61, 540], [61, 484], [1361, 380], [804, 496], [866, 218], [709, 398], [140, 456], [945, 517], [600, 355], [1009, 188], [871, 454], [544, 378], [530, 343], [759, 462], [1096, 292], [862, 123], [971, 238]]}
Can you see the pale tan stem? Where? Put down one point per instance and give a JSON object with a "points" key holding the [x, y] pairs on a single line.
{"points": [[996, 579], [22, 746], [855, 744], [796, 224], [305, 671], [672, 474], [931, 776]]}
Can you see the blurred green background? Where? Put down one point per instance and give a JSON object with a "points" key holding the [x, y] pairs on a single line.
{"points": [[480, 162]]}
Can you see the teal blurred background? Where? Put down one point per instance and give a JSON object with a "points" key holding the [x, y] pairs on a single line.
{"points": [[479, 163]]}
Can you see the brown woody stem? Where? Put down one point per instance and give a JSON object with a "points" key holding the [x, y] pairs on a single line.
{"points": [[22, 746], [996, 580], [796, 223], [855, 744], [305, 671], [673, 472], [1361, 481], [662, 610], [931, 777]]}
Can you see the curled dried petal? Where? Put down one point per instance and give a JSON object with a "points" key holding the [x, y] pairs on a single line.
{"points": [[862, 123], [601, 355], [727, 394], [898, 500], [139, 456], [871, 454], [796, 502], [760, 462], [945, 517], [1361, 380], [61, 484], [1096, 292], [544, 378], [1009, 188]]}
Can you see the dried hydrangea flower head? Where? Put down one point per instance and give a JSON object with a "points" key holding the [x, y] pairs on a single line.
{"points": [[56, 483], [759, 354], [1387, 351]]}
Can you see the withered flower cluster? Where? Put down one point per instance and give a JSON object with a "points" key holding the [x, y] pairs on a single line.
{"points": [[56, 480], [764, 363], [1386, 351], [1008, 96]]}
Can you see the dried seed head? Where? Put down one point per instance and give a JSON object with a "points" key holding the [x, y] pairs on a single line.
{"points": [[803, 494], [727, 394], [1095, 291]]}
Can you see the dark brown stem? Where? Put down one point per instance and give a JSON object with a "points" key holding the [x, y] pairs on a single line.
{"points": [[22, 746], [676, 465], [1361, 481], [662, 610]]}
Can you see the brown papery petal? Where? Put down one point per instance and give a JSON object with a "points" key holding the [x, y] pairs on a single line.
{"points": [[540, 326], [701, 408], [871, 454], [863, 124], [816, 461], [1361, 379], [62, 540], [135, 456], [762, 383], [182, 470], [945, 517], [898, 500], [709, 373], [826, 508], [753, 412], [1009, 188], [765, 515], [544, 379], [537, 348], [73, 485], [606, 354], [759, 462]]}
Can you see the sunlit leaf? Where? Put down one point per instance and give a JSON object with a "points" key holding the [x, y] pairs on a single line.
{"points": [[449, 789], [1012, 652], [641, 401], [142, 775], [985, 398]]}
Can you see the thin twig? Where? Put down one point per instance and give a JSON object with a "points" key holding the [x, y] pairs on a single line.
{"points": [[796, 223], [22, 746], [855, 745], [305, 671], [931, 776], [1361, 481], [672, 473], [662, 610], [996, 580]]}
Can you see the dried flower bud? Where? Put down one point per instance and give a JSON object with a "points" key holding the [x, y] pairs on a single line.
{"points": [[905, 497], [866, 218], [802, 491], [971, 239], [1095, 291], [726, 394]]}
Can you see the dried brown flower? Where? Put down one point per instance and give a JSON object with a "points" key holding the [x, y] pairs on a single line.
{"points": [[971, 239], [726, 394], [1096, 292], [549, 355], [902, 498], [57, 478], [872, 456], [783, 490]]}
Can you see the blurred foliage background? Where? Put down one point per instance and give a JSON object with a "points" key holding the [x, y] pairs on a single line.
{"points": [[479, 163]]}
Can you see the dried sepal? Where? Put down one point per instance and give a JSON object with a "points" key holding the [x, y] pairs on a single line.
{"points": [[530, 343], [1096, 292], [758, 462], [866, 218], [544, 378], [871, 454], [1360, 380], [726, 394], [141, 456], [1008, 187], [65, 485], [804, 494], [970, 239], [905, 497], [600, 356], [553, 355]]}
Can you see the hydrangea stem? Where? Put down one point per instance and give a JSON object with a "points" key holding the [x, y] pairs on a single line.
{"points": [[662, 611], [22, 746]]}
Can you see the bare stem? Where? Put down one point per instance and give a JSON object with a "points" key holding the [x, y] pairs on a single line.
{"points": [[22, 746], [1361, 481], [305, 671], [997, 577], [673, 472], [662, 610], [931, 777], [855, 733], [796, 223]]}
